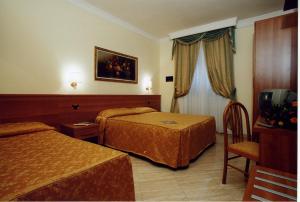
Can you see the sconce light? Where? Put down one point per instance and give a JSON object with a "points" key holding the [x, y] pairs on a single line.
{"points": [[75, 79], [148, 85], [74, 84]]}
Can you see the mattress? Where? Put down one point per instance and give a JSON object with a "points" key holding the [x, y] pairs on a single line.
{"points": [[43, 164], [167, 138]]}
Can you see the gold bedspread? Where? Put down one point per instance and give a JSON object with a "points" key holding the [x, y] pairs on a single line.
{"points": [[167, 138], [48, 165], [12, 129]]}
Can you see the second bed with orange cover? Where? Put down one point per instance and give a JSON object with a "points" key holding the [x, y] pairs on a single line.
{"points": [[167, 138]]}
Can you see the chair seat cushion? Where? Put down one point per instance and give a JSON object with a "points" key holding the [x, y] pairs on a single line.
{"points": [[246, 149]]}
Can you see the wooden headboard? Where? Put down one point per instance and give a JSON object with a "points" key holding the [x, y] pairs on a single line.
{"points": [[57, 109]]}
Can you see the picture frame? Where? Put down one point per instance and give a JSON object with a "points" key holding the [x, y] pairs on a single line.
{"points": [[115, 67]]}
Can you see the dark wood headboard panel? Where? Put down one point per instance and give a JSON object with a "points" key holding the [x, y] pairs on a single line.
{"points": [[57, 109]]}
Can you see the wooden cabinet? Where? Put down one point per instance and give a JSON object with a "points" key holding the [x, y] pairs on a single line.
{"points": [[275, 66], [275, 56], [81, 132], [277, 148]]}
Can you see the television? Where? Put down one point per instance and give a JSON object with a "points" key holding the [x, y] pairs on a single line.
{"points": [[270, 98], [273, 96], [278, 108]]}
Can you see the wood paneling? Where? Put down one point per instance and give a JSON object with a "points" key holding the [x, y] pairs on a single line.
{"points": [[275, 57], [57, 109]]}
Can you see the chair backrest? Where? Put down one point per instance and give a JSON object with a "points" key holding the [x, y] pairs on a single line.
{"points": [[233, 117]]}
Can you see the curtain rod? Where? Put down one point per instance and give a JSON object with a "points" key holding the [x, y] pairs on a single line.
{"points": [[204, 28]]}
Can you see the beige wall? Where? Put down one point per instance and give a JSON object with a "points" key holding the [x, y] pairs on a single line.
{"points": [[242, 69], [42, 42], [166, 69]]}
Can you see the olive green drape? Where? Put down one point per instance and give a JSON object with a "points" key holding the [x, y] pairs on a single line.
{"points": [[219, 62], [219, 46], [185, 56]]}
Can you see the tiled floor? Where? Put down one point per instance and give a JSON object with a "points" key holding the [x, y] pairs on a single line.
{"points": [[200, 181]]}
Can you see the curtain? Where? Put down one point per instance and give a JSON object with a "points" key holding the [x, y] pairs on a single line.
{"points": [[219, 48], [201, 99], [219, 59], [186, 56]]}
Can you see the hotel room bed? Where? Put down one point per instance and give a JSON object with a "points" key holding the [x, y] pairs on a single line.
{"points": [[167, 138], [39, 163]]}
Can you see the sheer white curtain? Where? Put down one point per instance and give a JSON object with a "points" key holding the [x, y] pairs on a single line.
{"points": [[201, 100]]}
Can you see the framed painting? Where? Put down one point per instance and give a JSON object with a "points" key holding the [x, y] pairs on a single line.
{"points": [[114, 66]]}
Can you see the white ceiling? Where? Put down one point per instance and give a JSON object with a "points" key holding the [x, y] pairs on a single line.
{"points": [[158, 18]]}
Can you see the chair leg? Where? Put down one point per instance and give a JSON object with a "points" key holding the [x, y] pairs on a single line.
{"points": [[225, 168], [247, 167]]}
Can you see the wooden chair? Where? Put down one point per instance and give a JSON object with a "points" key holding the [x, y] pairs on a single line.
{"points": [[233, 119]]}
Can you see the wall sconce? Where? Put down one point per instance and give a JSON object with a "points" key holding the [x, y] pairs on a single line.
{"points": [[74, 84], [75, 79], [148, 85]]}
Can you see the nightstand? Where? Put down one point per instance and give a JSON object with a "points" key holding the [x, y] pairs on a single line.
{"points": [[81, 132]]}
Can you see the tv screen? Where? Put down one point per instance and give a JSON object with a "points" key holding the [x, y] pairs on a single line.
{"points": [[271, 97]]}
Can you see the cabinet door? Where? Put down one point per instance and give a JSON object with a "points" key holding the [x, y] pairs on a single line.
{"points": [[275, 56], [278, 150]]}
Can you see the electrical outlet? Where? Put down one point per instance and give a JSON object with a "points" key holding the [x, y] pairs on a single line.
{"points": [[75, 106]]}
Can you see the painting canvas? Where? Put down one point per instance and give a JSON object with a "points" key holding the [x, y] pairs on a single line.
{"points": [[114, 66]]}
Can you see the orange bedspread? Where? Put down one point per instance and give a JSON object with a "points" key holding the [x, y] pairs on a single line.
{"points": [[167, 138], [47, 165]]}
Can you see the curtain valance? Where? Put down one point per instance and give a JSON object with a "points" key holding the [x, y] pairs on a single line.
{"points": [[206, 36]]}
